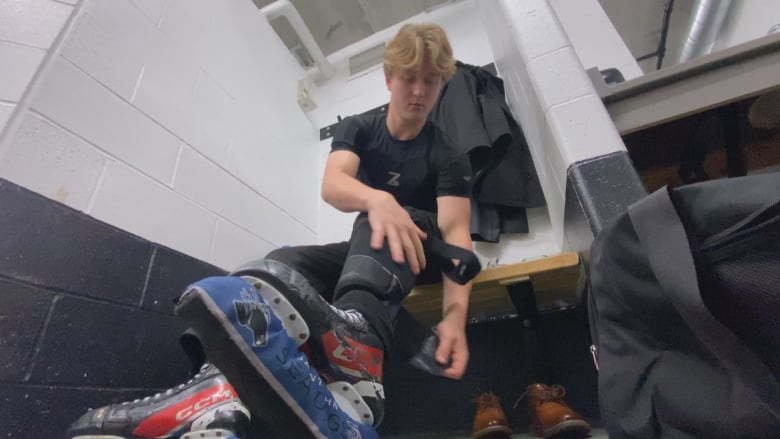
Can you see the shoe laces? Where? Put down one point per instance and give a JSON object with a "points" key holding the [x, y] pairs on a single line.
{"points": [[352, 316], [541, 392], [203, 369], [486, 400]]}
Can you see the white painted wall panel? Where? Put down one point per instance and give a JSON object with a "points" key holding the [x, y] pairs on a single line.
{"points": [[53, 162], [72, 99], [193, 104], [131, 201], [110, 42], [18, 64], [152, 9], [6, 109], [234, 246], [32, 22]]}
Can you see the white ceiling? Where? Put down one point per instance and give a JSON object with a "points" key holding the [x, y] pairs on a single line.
{"points": [[639, 23], [336, 24]]}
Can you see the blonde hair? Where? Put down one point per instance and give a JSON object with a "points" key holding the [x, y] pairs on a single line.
{"points": [[415, 44]]}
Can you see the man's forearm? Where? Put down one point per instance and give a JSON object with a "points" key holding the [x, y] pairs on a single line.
{"points": [[348, 194], [455, 301]]}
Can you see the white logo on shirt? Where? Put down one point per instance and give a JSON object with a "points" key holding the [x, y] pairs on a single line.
{"points": [[394, 176]]}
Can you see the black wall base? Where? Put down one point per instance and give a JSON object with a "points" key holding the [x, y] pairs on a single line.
{"points": [[86, 314]]}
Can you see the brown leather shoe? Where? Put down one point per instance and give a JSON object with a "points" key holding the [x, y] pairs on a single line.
{"points": [[550, 416], [490, 421]]}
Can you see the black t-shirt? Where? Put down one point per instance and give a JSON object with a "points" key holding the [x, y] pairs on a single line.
{"points": [[415, 171]]}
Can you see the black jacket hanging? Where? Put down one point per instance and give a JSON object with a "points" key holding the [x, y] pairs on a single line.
{"points": [[472, 110]]}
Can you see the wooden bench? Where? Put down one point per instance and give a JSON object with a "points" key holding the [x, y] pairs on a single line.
{"points": [[518, 290], [542, 283]]}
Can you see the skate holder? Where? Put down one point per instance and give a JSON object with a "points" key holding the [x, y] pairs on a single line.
{"points": [[293, 323]]}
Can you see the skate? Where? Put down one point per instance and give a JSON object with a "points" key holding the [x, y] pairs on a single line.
{"points": [[340, 344], [270, 373], [205, 407]]}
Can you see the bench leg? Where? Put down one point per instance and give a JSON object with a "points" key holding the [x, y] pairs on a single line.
{"points": [[522, 296]]}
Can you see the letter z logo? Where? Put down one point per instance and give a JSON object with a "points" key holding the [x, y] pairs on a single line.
{"points": [[394, 176]]}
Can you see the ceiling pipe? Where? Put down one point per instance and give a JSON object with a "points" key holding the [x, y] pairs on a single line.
{"points": [[284, 8], [707, 20]]}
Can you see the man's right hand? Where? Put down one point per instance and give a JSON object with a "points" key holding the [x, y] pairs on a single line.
{"points": [[389, 220]]}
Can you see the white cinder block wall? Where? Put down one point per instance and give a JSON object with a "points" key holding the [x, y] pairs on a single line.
{"points": [[175, 120], [550, 94], [344, 96]]}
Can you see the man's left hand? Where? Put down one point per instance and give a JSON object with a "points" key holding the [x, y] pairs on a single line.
{"points": [[453, 348]]}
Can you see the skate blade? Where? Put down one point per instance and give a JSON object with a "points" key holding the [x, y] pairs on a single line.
{"points": [[351, 402], [210, 434]]}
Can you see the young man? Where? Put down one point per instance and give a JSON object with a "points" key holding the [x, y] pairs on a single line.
{"points": [[411, 188]]}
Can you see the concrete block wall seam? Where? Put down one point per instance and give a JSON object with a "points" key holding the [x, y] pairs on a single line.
{"points": [[526, 106], [557, 78], [154, 10], [583, 121], [74, 167], [38, 340], [149, 269], [6, 110], [51, 16], [25, 61], [58, 292], [182, 145], [46, 33], [25, 311], [109, 42]]}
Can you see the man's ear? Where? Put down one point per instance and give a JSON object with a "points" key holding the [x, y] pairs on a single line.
{"points": [[387, 80]]}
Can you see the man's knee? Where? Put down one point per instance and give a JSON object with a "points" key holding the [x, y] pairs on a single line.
{"points": [[363, 272], [285, 255]]}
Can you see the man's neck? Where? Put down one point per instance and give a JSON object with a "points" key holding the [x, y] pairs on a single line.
{"points": [[402, 129]]}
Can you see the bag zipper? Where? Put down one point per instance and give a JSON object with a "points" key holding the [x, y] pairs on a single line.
{"points": [[592, 319]]}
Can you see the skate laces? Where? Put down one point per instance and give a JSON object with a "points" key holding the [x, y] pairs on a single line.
{"points": [[351, 316], [206, 367], [540, 393]]}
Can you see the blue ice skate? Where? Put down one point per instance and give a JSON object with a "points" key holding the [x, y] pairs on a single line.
{"points": [[244, 338]]}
